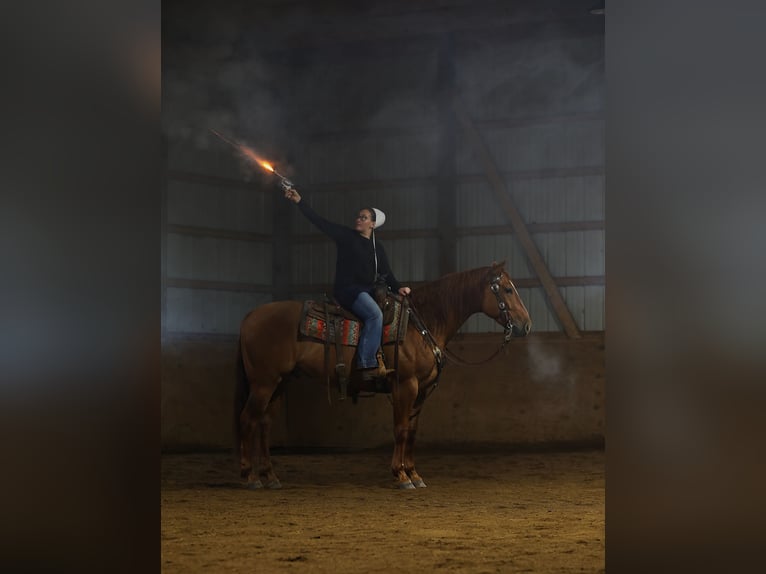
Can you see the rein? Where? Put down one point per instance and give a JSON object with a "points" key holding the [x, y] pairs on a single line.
{"points": [[463, 363]]}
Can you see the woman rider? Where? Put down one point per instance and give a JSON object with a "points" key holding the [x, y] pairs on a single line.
{"points": [[360, 261]]}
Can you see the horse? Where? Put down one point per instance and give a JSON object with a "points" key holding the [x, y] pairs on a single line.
{"points": [[270, 350]]}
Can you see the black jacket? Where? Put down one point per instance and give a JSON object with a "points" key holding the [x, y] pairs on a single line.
{"points": [[355, 264]]}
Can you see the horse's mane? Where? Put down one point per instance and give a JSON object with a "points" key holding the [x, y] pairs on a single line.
{"points": [[450, 298]]}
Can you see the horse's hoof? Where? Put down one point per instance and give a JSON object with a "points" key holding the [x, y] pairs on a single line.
{"points": [[255, 485], [418, 483], [274, 485], [406, 485]]}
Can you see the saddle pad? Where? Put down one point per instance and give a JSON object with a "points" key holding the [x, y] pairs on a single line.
{"points": [[314, 325]]}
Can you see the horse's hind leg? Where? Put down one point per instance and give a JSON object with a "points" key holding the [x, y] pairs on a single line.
{"points": [[248, 430], [266, 472], [255, 425]]}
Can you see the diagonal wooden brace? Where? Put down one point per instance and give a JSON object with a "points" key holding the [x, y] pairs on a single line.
{"points": [[497, 184]]}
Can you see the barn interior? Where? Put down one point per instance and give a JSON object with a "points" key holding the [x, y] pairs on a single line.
{"points": [[478, 128]]}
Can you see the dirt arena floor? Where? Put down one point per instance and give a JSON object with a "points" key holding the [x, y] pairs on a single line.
{"points": [[487, 512]]}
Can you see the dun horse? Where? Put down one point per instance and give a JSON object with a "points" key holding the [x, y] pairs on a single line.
{"points": [[270, 350]]}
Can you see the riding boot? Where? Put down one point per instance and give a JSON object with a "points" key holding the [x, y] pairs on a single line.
{"points": [[375, 373], [376, 376]]}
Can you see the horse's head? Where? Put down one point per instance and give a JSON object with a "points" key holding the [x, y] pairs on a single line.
{"points": [[502, 303]]}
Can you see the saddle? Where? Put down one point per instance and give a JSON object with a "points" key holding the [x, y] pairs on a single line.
{"points": [[329, 323]]}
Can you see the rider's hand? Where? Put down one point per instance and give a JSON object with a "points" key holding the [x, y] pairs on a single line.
{"points": [[404, 290], [293, 195]]}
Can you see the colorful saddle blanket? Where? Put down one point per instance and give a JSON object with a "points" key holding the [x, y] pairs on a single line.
{"points": [[315, 325]]}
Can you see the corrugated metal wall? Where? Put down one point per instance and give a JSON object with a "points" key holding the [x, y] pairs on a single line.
{"points": [[212, 266], [551, 152], [547, 198], [372, 139]]}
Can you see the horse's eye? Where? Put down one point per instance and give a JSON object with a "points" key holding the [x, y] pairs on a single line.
{"points": [[509, 289]]}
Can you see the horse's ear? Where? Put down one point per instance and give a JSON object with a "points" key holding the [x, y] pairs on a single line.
{"points": [[496, 265]]}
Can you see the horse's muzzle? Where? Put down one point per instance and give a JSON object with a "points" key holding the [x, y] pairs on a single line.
{"points": [[522, 331]]}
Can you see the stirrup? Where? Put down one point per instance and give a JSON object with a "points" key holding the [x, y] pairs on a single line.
{"points": [[374, 373]]}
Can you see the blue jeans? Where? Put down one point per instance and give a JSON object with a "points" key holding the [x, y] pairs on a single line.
{"points": [[371, 316]]}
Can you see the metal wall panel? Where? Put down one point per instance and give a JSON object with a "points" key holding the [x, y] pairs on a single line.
{"points": [[378, 91], [543, 318], [547, 200], [312, 263], [411, 207], [549, 71], [414, 259], [366, 159], [535, 147], [206, 154], [559, 199], [586, 304], [194, 257], [205, 205], [594, 308], [406, 207], [558, 70], [207, 311], [572, 253], [481, 250], [567, 254], [213, 259], [411, 260]]}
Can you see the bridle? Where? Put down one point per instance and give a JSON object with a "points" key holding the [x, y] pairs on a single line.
{"points": [[494, 286], [439, 355]]}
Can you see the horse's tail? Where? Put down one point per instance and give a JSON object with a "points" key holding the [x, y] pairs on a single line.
{"points": [[241, 393]]}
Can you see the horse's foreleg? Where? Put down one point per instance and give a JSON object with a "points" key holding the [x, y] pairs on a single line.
{"points": [[403, 396], [409, 447]]}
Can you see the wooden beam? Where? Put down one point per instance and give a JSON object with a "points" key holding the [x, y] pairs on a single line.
{"points": [[497, 184], [196, 231], [510, 123], [218, 285], [387, 184], [389, 235], [173, 336], [581, 281], [401, 35], [215, 180], [515, 175], [553, 227], [431, 130], [373, 184], [522, 282], [549, 173], [392, 235]]}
